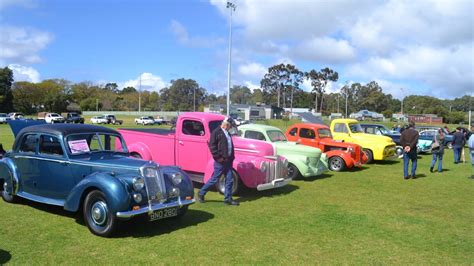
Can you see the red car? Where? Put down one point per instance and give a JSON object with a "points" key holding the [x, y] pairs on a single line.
{"points": [[341, 155]]}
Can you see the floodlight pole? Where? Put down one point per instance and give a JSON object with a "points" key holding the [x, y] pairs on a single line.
{"points": [[139, 94], [401, 104], [232, 7]]}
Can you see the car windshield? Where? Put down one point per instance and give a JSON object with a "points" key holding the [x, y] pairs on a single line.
{"points": [[74, 115], [384, 130], [95, 142], [356, 128], [54, 115], [324, 133], [276, 135]]}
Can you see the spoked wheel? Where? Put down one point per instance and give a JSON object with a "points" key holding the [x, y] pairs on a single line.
{"points": [[336, 164], [97, 214], [293, 171], [237, 186], [8, 196]]}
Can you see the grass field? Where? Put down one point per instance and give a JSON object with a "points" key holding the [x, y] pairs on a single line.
{"points": [[366, 216]]}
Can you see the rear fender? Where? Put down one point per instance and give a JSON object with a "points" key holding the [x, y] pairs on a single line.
{"points": [[142, 149], [8, 175], [115, 192]]}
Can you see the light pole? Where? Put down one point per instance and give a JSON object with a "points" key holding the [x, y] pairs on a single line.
{"points": [[231, 6], [139, 94], [347, 94]]}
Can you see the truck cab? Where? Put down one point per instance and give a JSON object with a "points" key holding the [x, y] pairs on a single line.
{"points": [[375, 147]]}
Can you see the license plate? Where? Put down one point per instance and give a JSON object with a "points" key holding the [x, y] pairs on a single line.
{"points": [[164, 213]]}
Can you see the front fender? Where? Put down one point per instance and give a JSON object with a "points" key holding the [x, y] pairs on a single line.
{"points": [[115, 191], [142, 149], [248, 169], [299, 162]]}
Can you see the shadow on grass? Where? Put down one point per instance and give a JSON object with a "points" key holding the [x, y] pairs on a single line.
{"points": [[5, 256], [313, 178], [140, 227], [387, 162], [251, 194], [418, 176]]}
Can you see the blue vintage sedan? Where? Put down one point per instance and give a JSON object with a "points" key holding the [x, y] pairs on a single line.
{"points": [[87, 168]]}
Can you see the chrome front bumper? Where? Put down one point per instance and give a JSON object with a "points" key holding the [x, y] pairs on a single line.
{"points": [[154, 207], [280, 182]]}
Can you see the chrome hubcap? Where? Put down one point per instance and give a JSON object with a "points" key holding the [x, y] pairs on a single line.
{"points": [[336, 164], [99, 212]]}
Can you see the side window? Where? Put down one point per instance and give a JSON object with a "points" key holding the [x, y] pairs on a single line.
{"points": [[340, 128], [28, 144], [378, 132], [307, 133], [191, 127], [249, 134], [370, 130], [50, 145], [293, 131]]}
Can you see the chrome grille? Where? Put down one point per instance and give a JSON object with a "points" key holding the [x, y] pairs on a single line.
{"points": [[155, 185], [276, 169]]}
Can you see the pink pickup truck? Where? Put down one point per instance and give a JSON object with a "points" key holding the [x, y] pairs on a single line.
{"points": [[256, 164]]}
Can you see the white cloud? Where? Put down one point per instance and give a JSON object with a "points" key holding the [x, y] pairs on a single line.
{"points": [[254, 70], [251, 85], [22, 45], [148, 82], [325, 49], [181, 34], [23, 3], [24, 73]]}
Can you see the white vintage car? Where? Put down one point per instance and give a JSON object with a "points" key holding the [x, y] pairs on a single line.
{"points": [[145, 120], [99, 120]]}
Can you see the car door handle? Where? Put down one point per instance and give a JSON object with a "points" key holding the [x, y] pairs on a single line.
{"points": [[64, 162], [180, 142]]}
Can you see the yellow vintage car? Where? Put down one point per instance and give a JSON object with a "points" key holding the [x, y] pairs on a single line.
{"points": [[375, 147]]}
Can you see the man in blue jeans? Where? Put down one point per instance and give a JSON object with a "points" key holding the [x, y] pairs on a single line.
{"points": [[222, 150], [408, 140], [470, 144], [458, 144]]}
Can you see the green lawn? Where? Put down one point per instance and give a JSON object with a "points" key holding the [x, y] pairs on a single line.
{"points": [[367, 216]]}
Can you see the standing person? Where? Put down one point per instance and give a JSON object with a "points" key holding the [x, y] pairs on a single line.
{"points": [[458, 144], [222, 150], [408, 140], [470, 144], [438, 151]]}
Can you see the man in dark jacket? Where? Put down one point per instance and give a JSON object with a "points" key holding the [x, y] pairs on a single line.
{"points": [[222, 150], [458, 144], [408, 140]]}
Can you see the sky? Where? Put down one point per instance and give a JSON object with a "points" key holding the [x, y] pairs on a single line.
{"points": [[422, 47]]}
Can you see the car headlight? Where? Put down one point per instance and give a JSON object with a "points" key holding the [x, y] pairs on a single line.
{"points": [[150, 172], [137, 197], [138, 183], [350, 150], [174, 192], [176, 178]]}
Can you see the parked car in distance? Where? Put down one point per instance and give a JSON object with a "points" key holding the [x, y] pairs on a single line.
{"points": [[4, 118], [302, 160], [366, 115], [99, 120], [14, 116], [145, 120], [87, 169], [342, 155], [429, 133], [51, 118], [375, 147], [256, 164], [74, 118], [111, 119]]}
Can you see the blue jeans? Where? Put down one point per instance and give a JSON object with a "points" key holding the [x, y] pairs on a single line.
{"points": [[407, 156], [472, 156], [457, 154], [439, 157], [220, 169]]}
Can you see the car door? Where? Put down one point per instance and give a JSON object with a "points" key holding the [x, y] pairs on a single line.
{"points": [[192, 147], [341, 132], [56, 180], [27, 164], [307, 136]]}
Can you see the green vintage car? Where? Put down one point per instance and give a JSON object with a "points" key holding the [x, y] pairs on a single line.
{"points": [[303, 160]]}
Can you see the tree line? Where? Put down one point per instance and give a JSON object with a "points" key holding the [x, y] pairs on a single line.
{"points": [[281, 87]]}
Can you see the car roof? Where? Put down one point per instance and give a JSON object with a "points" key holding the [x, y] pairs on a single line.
{"points": [[258, 126], [66, 129]]}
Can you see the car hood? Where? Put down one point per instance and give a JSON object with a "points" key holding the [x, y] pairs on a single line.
{"points": [[375, 139], [250, 146], [114, 162], [332, 143], [287, 148]]}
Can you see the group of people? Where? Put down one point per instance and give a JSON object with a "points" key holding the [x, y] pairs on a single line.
{"points": [[409, 140]]}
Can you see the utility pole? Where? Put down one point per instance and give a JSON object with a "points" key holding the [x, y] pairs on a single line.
{"points": [[139, 94], [194, 99], [232, 7]]}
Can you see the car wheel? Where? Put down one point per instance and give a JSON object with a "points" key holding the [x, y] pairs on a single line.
{"points": [[236, 186], [7, 196], [336, 164], [370, 155], [293, 171], [449, 145], [97, 214]]}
